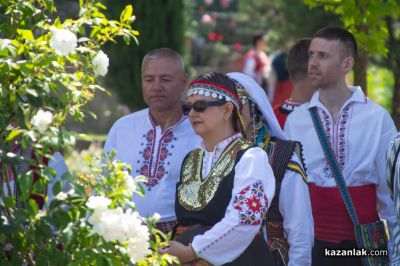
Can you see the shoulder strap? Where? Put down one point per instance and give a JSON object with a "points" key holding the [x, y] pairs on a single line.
{"points": [[337, 174]]}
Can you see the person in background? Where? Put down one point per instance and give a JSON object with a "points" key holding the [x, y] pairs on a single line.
{"points": [[280, 86], [257, 62], [302, 90], [155, 140]]}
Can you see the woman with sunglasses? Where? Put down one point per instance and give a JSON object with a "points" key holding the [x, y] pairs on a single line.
{"points": [[290, 228], [225, 186]]}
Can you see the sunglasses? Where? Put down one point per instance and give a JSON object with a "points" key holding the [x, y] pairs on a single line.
{"points": [[200, 106]]}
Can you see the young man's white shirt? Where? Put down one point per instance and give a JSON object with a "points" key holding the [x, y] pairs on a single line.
{"points": [[359, 140]]}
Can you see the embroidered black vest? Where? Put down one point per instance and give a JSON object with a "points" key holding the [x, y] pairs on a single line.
{"points": [[204, 201], [279, 153]]}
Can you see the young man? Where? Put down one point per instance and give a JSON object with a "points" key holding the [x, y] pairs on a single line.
{"points": [[155, 140], [297, 66], [359, 132]]}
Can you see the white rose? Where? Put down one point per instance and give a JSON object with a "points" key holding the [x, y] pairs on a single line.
{"points": [[111, 225], [138, 246], [42, 120], [63, 41], [100, 64], [98, 202], [96, 216], [138, 237]]}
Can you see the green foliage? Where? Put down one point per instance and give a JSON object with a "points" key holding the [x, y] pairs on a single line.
{"points": [[283, 21], [365, 19], [49, 71], [161, 24], [380, 88]]}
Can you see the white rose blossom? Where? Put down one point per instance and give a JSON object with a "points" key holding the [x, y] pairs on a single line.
{"points": [[111, 225], [63, 41], [124, 227], [98, 202], [138, 238], [42, 120], [100, 64]]}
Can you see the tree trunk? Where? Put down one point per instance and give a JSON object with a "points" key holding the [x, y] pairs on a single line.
{"points": [[360, 70], [396, 97]]}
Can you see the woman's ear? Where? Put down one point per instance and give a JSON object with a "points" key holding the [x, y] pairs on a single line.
{"points": [[228, 109]]}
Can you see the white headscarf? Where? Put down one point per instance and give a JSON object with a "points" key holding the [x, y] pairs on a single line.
{"points": [[260, 98]]}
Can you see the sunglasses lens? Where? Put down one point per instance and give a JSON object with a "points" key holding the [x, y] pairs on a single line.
{"points": [[200, 106]]}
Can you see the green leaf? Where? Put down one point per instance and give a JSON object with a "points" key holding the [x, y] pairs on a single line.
{"points": [[100, 5], [57, 22], [13, 134], [126, 14], [26, 34], [57, 187], [127, 39]]}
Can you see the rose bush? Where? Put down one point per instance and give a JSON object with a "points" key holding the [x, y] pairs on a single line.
{"points": [[48, 73]]}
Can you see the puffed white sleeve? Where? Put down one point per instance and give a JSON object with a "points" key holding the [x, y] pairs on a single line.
{"points": [[385, 203], [393, 180], [253, 190], [295, 207]]}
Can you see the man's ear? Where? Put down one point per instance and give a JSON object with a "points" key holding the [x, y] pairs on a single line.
{"points": [[228, 110], [348, 64]]}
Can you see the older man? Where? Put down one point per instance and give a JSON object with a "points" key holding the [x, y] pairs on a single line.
{"points": [[155, 140]]}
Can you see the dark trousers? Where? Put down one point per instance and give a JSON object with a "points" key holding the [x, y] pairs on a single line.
{"points": [[319, 257]]}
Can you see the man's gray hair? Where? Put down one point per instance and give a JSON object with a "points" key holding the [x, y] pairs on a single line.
{"points": [[164, 53]]}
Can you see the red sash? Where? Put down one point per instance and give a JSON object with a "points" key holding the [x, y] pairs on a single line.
{"points": [[332, 222]]}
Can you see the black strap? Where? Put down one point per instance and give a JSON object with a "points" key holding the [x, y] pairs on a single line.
{"points": [[337, 174], [393, 170]]}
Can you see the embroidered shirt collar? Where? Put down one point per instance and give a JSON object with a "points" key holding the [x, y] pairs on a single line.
{"points": [[211, 157], [221, 145], [357, 96], [153, 124]]}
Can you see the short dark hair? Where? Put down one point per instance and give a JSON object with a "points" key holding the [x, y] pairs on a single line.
{"points": [[279, 65], [256, 38], [297, 60], [340, 34]]}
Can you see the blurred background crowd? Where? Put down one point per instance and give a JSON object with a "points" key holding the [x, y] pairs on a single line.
{"points": [[216, 35]]}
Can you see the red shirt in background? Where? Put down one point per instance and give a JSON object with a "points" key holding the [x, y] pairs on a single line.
{"points": [[282, 111]]}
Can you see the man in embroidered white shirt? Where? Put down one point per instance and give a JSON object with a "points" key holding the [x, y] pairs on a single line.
{"points": [[155, 140], [359, 132]]}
